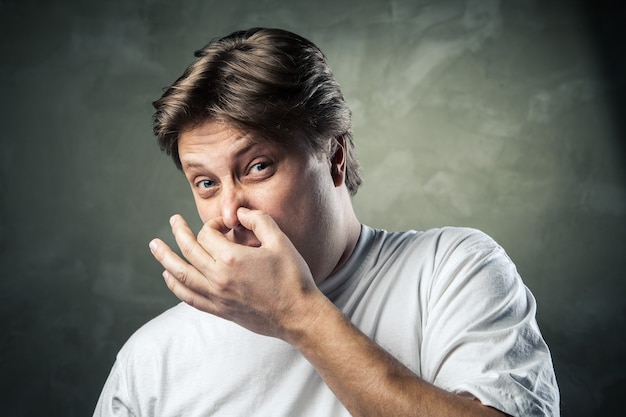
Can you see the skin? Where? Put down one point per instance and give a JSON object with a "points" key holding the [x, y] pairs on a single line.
{"points": [[277, 222]]}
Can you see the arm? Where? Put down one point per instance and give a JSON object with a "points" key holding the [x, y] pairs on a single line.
{"points": [[269, 290], [367, 379]]}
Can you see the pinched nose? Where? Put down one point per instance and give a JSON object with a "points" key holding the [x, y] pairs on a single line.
{"points": [[230, 219], [231, 198]]}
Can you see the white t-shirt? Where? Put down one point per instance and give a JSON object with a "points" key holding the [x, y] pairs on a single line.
{"points": [[448, 303]]}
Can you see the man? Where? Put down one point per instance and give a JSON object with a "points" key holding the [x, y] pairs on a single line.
{"points": [[311, 313]]}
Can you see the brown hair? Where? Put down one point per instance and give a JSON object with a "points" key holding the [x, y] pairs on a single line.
{"points": [[269, 81]]}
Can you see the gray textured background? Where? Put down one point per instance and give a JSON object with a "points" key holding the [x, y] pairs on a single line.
{"points": [[503, 115]]}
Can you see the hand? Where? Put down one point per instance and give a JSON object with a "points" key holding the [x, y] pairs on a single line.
{"points": [[261, 288]]}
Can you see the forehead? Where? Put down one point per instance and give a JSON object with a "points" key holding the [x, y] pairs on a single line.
{"points": [[214, 143], [215, 133]]}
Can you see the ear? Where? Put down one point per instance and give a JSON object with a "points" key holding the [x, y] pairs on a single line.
{"points": [[338, 161]]}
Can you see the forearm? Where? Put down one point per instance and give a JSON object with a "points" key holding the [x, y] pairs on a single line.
{"points": [[366, 378]]}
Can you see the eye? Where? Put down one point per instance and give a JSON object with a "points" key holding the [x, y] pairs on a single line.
{"points": [[205, 184], [259, 167]]}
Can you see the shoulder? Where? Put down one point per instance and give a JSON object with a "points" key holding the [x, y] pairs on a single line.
{"points": [[460, 245], [472, 258], [177, 328], [441, 238], [160, 328], [167, 322], [451, 258], [464, 239], [441, 245], [439, 259]]}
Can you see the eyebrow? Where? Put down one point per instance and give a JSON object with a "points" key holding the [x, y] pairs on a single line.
{"points": [[251, 142]]}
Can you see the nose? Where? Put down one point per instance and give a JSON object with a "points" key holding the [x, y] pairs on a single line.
{"points": [[232, 197]]}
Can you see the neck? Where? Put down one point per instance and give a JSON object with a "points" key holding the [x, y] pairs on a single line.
{"points": [[348, 234], [352, 237]]}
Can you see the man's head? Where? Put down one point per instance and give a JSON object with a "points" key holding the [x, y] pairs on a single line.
{"points": [[267, 81]]}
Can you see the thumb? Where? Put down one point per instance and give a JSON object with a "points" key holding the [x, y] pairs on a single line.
{"points": [[262, 225]]}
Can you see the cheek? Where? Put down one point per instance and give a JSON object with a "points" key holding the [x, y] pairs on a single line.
{"points": [[299, 213], [205, 210], [283, 202]]}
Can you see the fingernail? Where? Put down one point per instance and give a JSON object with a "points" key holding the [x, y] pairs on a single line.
{"points": [[153, 246]]}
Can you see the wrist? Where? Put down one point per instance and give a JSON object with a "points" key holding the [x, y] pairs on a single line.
{"points": [[308, 322]]}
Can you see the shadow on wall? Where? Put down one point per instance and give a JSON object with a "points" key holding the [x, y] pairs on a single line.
{"points": [[606, 20]]}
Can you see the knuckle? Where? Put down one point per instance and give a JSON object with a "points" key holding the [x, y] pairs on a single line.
{"points": [[189, 299], [187, 250], [222, 283], [202, 239], [172, 284], [182, 276], [229, 259], [205, 230]]}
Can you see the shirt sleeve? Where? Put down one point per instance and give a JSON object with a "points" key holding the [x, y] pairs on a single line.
{"points": [[481, 338], [113, 401]]}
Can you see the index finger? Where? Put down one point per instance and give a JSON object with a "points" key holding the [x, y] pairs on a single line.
{"points": [[193, 251], [214, 241]]}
